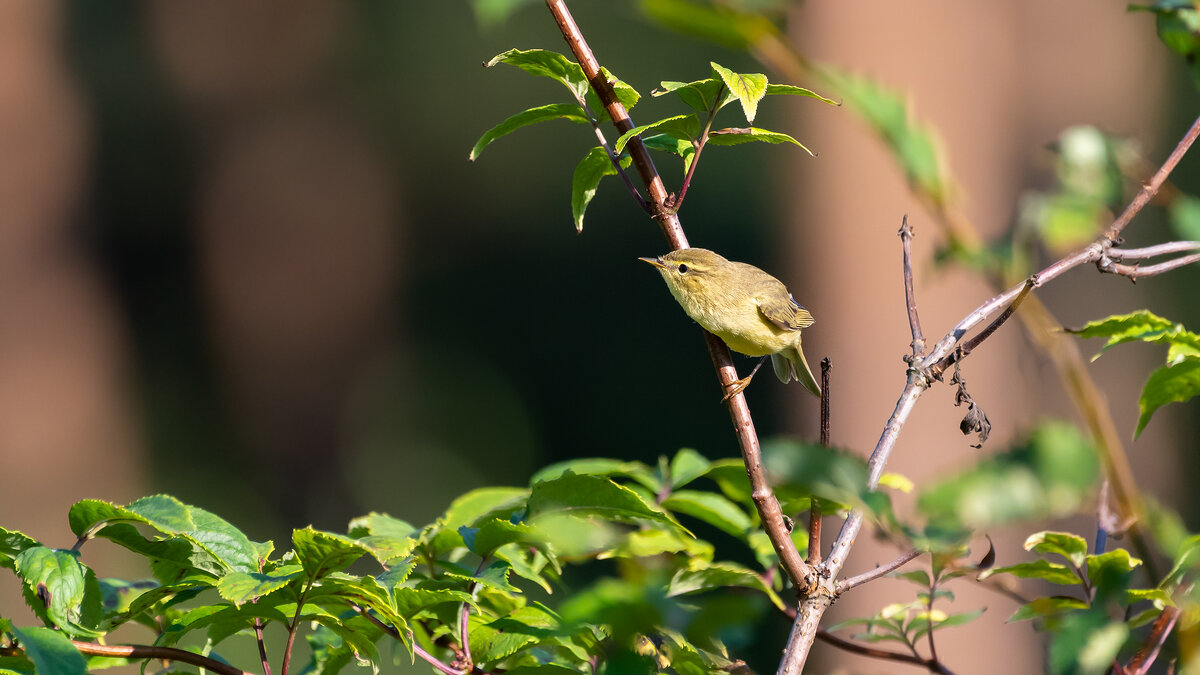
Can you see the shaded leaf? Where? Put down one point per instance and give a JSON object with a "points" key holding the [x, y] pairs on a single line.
{"points": [[1168, 384], [710, 508], [712, 576], [594, 166], [787, 89], [546, 64], [639, 130], [752, 135], [1070, 546], [1055, 573], [1048, 606], [51, 652], [591, 495]]}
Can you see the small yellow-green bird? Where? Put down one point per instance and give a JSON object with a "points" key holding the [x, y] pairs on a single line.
{"points": [[750, 310]]}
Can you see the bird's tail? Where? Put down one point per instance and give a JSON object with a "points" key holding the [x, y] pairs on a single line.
{"points": [[790, 364]]}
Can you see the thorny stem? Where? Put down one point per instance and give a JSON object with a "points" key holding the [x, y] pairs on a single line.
{"points": [[764, 498]]}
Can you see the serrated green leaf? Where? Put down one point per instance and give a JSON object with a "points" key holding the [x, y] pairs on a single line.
{"points": [[787, 89], [749, 88], [639, 130], [1055, 573], [497, 532], [409, 601], [322, 553], [600, 466], [1047, 606], [242, 587], [1144, 326], [51, 652], [470, 508], [554, 111], [12, 543], [505, 636], [711, 576], [1169, 384], [1070, 546], [752, 135], [594, 166], [581, 495], [710, 508], [66, 590], [704, 96], [546, 64]]}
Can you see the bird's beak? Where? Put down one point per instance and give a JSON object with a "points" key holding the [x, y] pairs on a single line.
{"points": [[657, 262]]}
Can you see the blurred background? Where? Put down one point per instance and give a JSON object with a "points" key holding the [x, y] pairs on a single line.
{"points": [[244, 259]]}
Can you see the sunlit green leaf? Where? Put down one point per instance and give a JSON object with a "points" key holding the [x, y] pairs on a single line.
{"points": [[555, 111], [241, 587], [639, 130], [322, 553], [599, 466], [752, 135], [749, 88], [54, 581], [1070, 546], [1142, 325], [627, 95], [594, 166], [787, 89], [592, 496]]}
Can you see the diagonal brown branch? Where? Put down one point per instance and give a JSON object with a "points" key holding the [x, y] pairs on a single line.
{"points": [[743, 424]]}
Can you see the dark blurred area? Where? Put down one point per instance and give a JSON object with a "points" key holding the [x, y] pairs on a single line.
{"points": [[244, 259]]}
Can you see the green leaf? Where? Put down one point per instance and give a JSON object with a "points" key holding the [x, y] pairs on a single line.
{"points": [[242, 587], [1050, 474], [918, 577], [1145, 326], [713, 576], [717, 23], [470, 508], [600, 466], [1055, 573], [941, 621], [64, 588], [703, 96], [639, 130], [686, 466], [749, 88], [12, 543], [675, 146], [322, 553], [555, 111], [752, 135], [710, 508], [1085, 643], [546, 64], [503, 637], [498, 532], [1110, 573], [1168, 384], [409, 601], [887, 112], [592, 496], [51, 652], [490, 13], [627, 95], [1045, 607], [787, 89], [594, 166], [1070, 546], [380, 525]]}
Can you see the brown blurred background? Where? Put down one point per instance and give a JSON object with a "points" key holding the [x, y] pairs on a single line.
{"points": [[244, 260]]}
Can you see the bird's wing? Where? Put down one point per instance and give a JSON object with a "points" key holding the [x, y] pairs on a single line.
{"points": [[783, 313]]}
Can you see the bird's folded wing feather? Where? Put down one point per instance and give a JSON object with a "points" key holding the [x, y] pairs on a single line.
{"points": [[782, 310]]}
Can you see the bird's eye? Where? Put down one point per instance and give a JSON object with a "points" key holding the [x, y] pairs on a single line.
{"points": [[683, 268]]}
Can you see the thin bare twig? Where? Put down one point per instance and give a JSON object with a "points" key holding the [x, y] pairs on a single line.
{"points": [[262, 646], [764, 497], [910, 298], [1135, 272], [814, 510], [1151, 251], [153, 652], [871, 575], [1150, 188], [967, 347]]}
